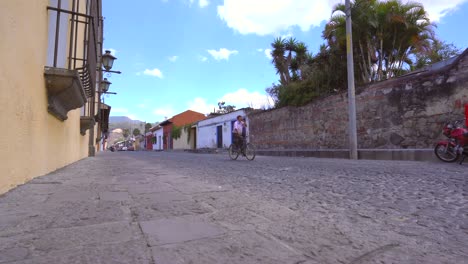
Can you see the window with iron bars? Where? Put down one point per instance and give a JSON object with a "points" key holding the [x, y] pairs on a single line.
{"points": [[75, 41]]}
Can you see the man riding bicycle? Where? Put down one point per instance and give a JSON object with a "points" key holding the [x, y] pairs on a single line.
{"points": [[238, 133]]}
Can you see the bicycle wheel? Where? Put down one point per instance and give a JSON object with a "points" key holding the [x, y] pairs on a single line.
{"points": [[233, 152], [250, 151]]}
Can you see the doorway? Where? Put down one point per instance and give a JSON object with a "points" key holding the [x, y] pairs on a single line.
{"points": [[219, 134]]}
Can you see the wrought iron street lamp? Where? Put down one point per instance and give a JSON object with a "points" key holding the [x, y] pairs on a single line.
{"points": [[108, 60], [105, 85]]}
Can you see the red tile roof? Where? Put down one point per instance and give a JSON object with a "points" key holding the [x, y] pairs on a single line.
{"points": [[185, 118]]}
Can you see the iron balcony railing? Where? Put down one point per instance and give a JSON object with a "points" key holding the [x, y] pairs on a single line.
{"points": [[83, 28]]}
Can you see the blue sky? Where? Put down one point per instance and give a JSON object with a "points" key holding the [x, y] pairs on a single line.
{"points": [[190, 54]]}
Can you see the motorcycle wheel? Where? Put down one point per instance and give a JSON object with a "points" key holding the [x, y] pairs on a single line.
{"points": [[444, 155]]}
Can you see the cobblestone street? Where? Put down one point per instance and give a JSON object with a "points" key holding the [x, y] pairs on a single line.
{"points": [[174, 207]]}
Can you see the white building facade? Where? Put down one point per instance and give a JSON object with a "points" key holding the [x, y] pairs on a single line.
{"points": [[158, 134], [216, 132]]}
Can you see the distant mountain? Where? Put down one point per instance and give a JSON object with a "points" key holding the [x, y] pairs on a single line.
{"points": [[124, 122], [123, 119]]}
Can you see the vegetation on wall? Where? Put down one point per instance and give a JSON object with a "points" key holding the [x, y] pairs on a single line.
{"points": [[176, 132], [223, 109], [390, 38], [188, 130]]}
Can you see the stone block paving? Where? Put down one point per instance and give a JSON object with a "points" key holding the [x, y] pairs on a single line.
{"points": [[174, 208]]}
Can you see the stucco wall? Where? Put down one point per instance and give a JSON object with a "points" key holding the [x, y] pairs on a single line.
{"points": [[182, 142], [33, 142], [159, 139], [207, 130], [407, 112]]}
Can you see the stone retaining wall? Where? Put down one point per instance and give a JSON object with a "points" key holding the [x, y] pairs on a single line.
{"points": [[406, 112]]}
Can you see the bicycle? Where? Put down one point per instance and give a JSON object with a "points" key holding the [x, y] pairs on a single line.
{"points": [[247, 150]]}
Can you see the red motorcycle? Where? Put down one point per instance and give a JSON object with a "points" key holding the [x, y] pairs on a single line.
{"points": [[457, 144]]}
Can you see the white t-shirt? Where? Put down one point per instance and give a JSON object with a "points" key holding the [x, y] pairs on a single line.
{"points": [[237, 127]]}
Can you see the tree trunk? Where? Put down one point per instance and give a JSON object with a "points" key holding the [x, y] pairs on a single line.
{"points": [[370, 52], [364, 66], [286, 67], [380, 70]]}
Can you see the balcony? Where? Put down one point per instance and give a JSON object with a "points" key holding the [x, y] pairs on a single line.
{"points": [[71, 71], [65, 91]]}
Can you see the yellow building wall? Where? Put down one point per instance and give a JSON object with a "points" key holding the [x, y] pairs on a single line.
{"points": [[32, 142], [182, 143]]}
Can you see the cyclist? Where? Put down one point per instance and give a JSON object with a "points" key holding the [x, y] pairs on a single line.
{"points": [[238, 132]]}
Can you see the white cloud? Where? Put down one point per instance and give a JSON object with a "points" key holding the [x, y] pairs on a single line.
{"points": [[200, 105], [133, 117], [260, 50], [264, 17], [437, 9], [154, 72], [203, 3], [123, 112], [163, 112], [202, 58], [273, 17], [222, 54], [243, 98], [268, 54], [287, 36], [173, 58]]}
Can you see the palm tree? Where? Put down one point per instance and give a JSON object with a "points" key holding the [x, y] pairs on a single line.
{"points": [[288, 57], [363, 32], [301, 57], [279, 59], [290, 47], [385, 34]]}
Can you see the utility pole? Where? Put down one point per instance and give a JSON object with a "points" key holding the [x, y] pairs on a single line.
{"points": [[353, 154]]}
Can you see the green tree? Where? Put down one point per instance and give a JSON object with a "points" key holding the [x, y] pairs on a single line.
{"points": [[385, 35], [224, 109], [389, 38], [147, 127], [438, 51], [136, 132], [312, 76], [125, 132], [289, 58]]}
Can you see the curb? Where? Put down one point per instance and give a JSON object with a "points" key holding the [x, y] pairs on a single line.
{"points": [[364, 154]]}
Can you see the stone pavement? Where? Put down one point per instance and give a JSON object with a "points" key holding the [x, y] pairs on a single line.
{"points": [[173, 208]]}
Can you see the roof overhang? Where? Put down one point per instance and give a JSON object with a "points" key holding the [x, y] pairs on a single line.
{"points": [[165, 123]]}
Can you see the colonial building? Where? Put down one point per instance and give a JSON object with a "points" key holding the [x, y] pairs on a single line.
{"points": [[49, 86], [181, 123], [216, 131], [158, 138]]}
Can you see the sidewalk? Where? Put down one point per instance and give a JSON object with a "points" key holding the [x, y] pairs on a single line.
{"points": [[119, 209], [363, 154]]}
